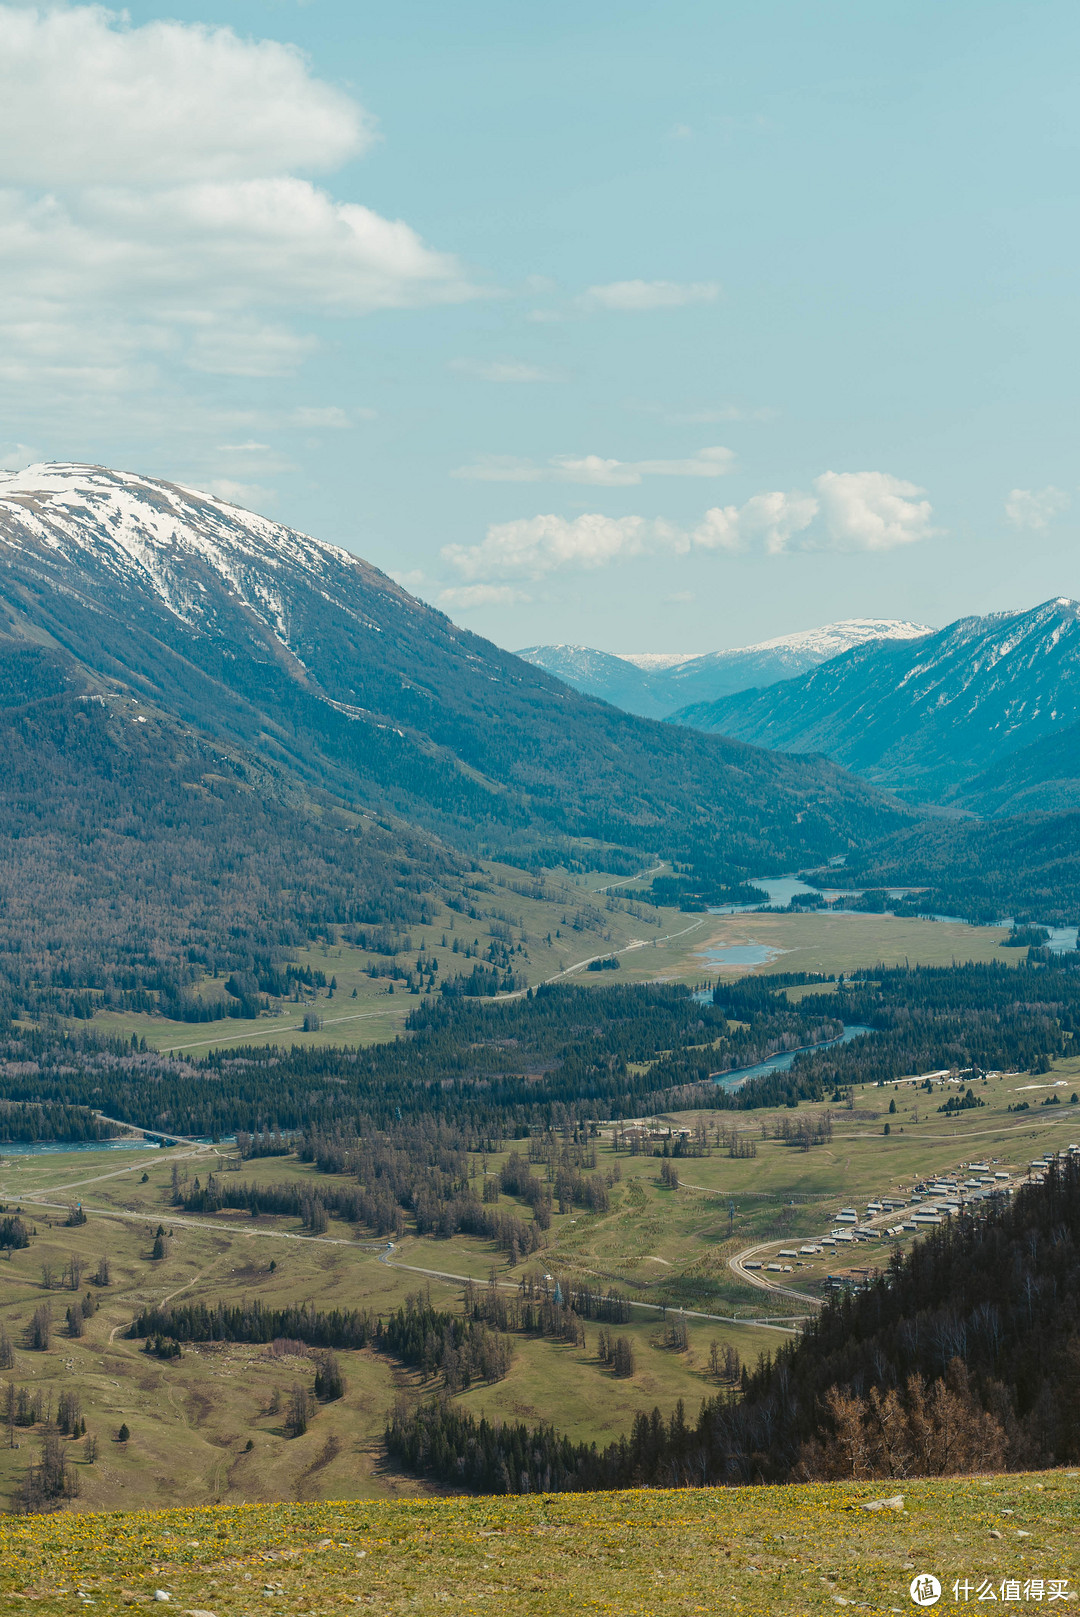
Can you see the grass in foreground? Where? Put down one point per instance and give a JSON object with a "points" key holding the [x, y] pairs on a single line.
{"points": [[769, 1550]]}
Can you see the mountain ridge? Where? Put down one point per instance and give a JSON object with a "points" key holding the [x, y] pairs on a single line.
{"points": [[310, 658], [928, 719], [656, 684]]}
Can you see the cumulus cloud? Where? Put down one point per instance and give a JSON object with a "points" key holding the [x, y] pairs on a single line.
{"points": [[847, 511], [632, 297], [770, 521], [871, 511], [87, 99], [595, 469], [1036, 508], [159, 209], [531, 547], [184, 252]]}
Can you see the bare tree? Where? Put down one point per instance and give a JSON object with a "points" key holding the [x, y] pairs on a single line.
{"points": [[39, 1331], [298, 1413]]}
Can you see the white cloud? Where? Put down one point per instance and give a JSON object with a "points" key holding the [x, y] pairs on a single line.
{"points": [[467, 597], [1036, 508], [595, 469], [244, 348], [534, 546], [504, 370], [189, 250], [872, 510], [85, 99], [848, 511], [158, 214], [635, 296], [768, 520]]}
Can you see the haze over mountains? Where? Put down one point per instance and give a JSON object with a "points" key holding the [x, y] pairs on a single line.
{"points": [[983, 714], [656, 684]]}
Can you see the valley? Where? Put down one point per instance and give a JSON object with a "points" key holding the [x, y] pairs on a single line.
{"points": [[591, 1129], [665, 1249], [501, 1099], [586, 922]]}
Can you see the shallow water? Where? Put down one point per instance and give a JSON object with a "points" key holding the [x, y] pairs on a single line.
{"points": [[738, 954], [44, 1148]]}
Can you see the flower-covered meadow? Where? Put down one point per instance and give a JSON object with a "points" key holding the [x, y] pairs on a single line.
{"points": [[754, 1550]]}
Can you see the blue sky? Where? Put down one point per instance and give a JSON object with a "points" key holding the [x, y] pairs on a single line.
{"points": [[649, 327]]}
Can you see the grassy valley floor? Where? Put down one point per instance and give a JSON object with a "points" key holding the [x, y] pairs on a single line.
{"points": [[788, 1551], [559, 923]]}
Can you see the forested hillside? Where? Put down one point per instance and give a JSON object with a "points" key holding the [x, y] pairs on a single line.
{"points": [[962, 1357], [135, 855], [1027, 868]]}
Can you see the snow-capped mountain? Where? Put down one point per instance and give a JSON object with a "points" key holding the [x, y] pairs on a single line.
{"points": [[664, 681], [926, 717], [650, 661], [181, 546], [719, 672], [308, 658], [615, 679]]}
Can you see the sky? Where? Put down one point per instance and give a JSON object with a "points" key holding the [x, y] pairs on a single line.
{"points": [[664, 327]]}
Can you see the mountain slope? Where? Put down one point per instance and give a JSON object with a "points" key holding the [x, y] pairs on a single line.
{"points": [[136, 854], [655, 685], [312, 661], [1026, 867], [1042, 777], [719, 673], [602, 674], [927, 717]]}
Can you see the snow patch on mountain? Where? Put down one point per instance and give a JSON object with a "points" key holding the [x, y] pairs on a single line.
{"points": [[149, 532], [828, 641], [652, 660]]}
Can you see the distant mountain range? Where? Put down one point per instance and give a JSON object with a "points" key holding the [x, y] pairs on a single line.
{"points": [[200, 709], [984, 714], [656, 684]]}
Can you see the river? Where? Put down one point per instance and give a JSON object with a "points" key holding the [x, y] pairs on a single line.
{"points": [[781, 1063]]}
